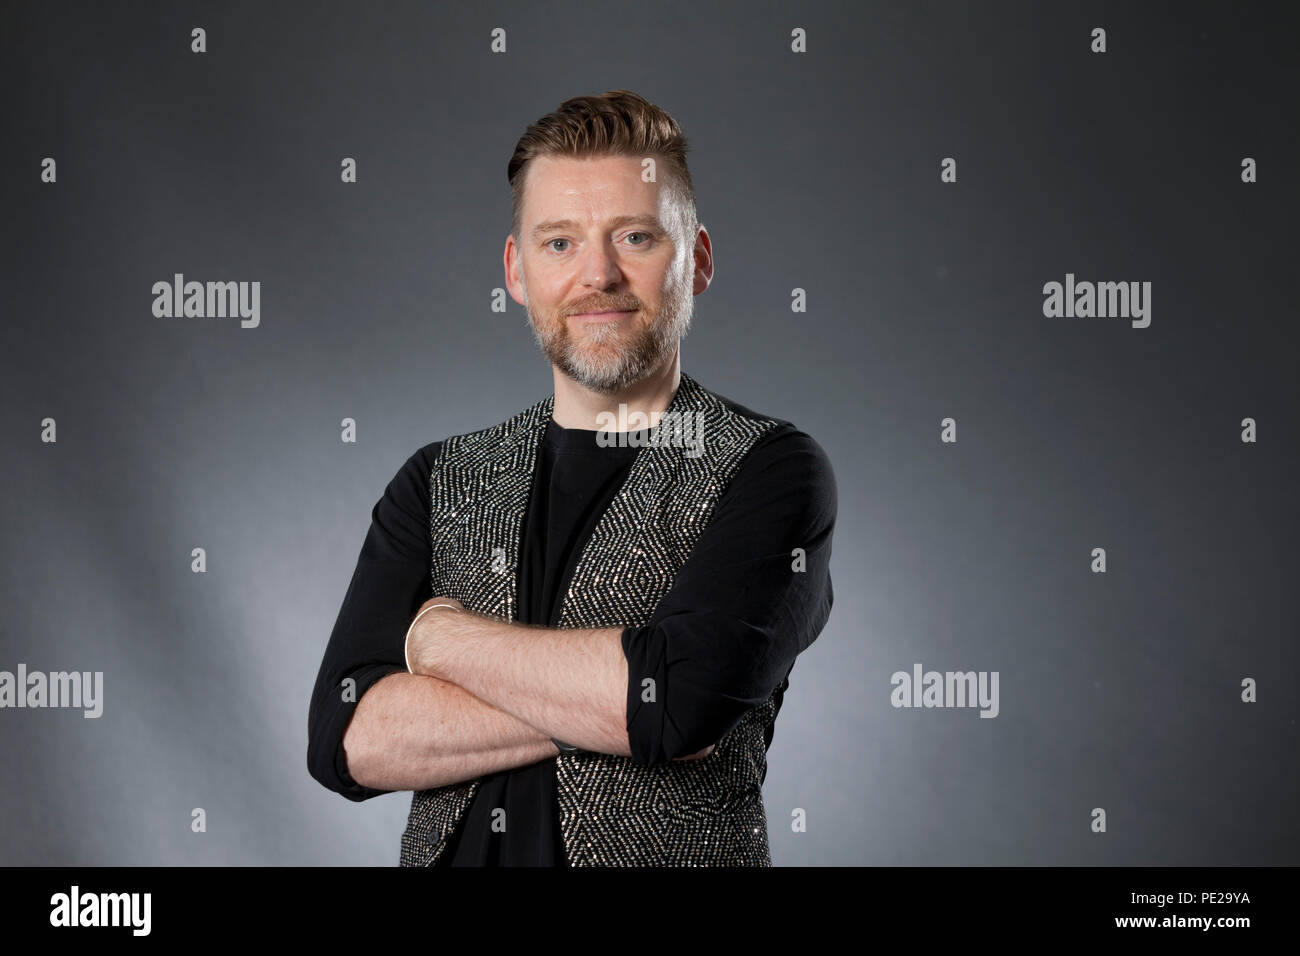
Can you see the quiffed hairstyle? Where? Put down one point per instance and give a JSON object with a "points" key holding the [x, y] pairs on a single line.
{"points": [[619, 123]]}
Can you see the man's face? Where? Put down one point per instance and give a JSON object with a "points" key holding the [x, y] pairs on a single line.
{"points": [[595, 238]]}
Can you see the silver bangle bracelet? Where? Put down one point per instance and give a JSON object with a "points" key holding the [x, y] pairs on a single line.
{"points": [[406, 642]]}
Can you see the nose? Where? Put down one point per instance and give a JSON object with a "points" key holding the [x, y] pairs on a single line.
{"points": [[599, 267]]}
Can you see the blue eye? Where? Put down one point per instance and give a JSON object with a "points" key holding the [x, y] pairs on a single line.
{"points": [[649, 238]]}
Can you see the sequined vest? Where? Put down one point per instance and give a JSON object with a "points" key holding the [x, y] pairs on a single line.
{"points": [[613, 811]]}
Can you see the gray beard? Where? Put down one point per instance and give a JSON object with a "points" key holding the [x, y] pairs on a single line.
{"points": [[644, 352]]}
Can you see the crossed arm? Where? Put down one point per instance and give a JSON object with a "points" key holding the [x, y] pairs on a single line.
{"points": [[488, 695]]}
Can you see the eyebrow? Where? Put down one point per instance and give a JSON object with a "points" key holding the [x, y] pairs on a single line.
{"points": [[553, 224]]}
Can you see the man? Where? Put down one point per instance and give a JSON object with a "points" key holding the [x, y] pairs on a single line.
{"points": [[570, 633]]}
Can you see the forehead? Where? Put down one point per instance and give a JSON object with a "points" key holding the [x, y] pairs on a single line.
{"points": [[590, 184]]}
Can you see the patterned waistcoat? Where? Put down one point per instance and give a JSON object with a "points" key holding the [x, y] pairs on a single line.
{"points": [[613, 811]]}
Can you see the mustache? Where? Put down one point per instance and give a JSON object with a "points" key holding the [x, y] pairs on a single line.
{"points": [[601, 307]]}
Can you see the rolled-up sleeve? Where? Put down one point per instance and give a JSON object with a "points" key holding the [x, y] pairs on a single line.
{"points": [[753, 594], [390, 582]]}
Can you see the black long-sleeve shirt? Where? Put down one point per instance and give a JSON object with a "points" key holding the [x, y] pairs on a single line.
{"points": [[741, 608]]}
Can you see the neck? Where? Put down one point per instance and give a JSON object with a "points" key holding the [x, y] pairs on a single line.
{"points": [[577, 406]]}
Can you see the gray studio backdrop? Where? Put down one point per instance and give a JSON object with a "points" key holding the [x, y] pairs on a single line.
{"points": [[921, 171]]}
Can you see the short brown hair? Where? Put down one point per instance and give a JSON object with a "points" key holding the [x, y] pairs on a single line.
{"points": [[616, 123]]}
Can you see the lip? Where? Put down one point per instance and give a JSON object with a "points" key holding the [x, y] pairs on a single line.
{"points": [[609, 315]]}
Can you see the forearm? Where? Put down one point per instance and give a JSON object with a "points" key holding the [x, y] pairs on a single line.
{"points": [[570, 683], [414, 732]]}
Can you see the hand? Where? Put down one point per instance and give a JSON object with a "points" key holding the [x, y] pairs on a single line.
{"points": [[699, 756], [442, 600]]}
